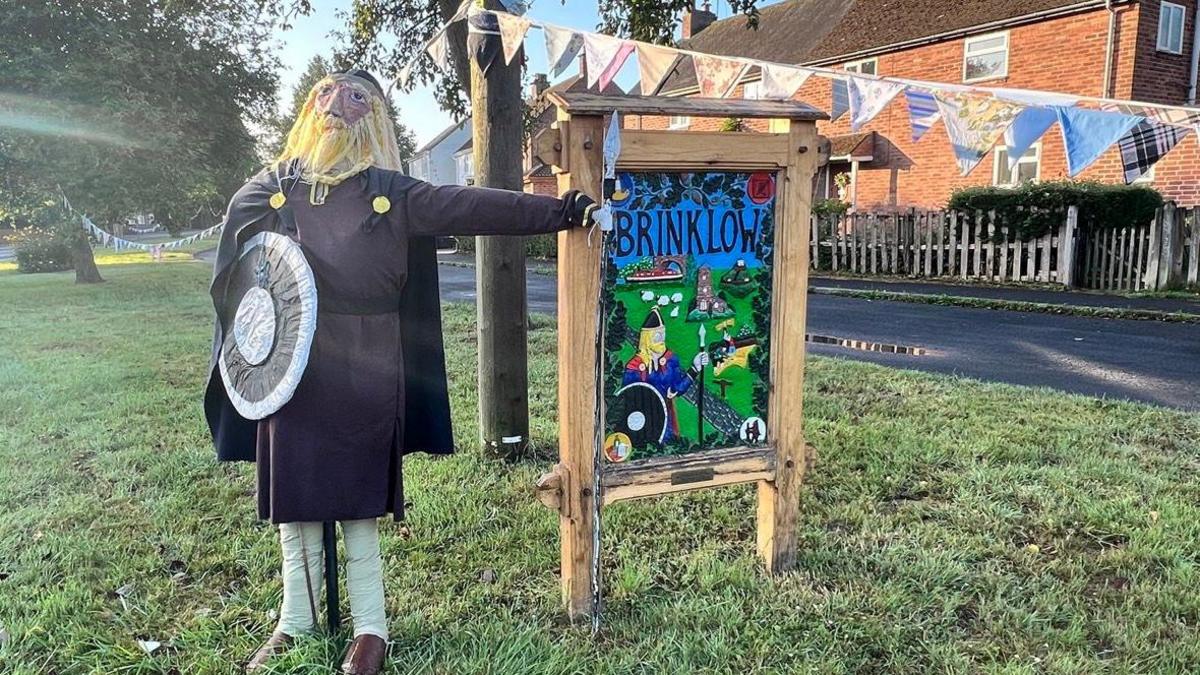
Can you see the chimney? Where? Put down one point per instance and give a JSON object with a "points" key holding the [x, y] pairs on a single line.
{"points": [[538, 86], [696, 20]]}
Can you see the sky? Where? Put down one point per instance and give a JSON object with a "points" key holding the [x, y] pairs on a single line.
{"points": [[310, 36]]}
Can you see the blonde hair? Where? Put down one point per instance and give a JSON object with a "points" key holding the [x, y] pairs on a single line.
{"points": [[332, 156]]}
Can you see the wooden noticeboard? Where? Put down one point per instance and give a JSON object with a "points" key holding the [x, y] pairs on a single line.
{"points": [[681, 339]]}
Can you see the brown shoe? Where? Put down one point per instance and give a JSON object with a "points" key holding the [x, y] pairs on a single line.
{"points": [[277, 644], [365, 655]]}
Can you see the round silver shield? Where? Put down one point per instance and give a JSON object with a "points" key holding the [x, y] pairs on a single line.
{"points": [[269, 322]]}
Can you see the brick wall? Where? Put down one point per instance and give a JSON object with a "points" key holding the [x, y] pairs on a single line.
{"points": [[1065, 54]]}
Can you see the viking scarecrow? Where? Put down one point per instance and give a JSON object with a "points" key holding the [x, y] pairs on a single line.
{"points": [[328, 364]]}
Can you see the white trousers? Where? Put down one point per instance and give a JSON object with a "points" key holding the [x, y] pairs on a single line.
{"points": [[302, 548]]}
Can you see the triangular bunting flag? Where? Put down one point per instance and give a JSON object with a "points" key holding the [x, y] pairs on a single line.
{"points": [[1030, 125], [717, 76], [1145, 144], [653, 64], [512, 33], [923, 112], [782, 82], [439, 50], [1180, 118], [604, 55], [1088, 133], [841, 100], [562, 48], [868, 98], [974, 124]]}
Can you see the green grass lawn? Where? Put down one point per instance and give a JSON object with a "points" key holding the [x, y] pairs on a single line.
{"points": [[948, 526]]}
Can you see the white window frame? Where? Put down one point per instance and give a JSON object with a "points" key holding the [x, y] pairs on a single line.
{"points": [[752, 90], [1147, 177], [993, 50], [679, 122], [464, 167], [1001, 168], [1164, 44], [857, 66]]}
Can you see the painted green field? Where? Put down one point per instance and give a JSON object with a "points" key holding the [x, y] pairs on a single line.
{"points": [[949, 526]]}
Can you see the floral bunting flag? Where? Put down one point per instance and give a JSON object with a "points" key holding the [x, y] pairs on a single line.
{"points": [[512, 33], [1087, 134], [868, 98], [782, 82], [923, 111], [653, 65], [974, 124], [717, 76], [604, 56], [562, 48]]}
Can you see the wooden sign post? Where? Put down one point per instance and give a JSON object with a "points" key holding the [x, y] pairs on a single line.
{"points": [[681, 340]]}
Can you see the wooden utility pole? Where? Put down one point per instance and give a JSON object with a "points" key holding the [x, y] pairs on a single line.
{"points": [[497, 113]]}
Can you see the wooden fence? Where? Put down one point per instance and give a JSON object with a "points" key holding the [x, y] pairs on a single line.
{"points": [[1164, 253]]}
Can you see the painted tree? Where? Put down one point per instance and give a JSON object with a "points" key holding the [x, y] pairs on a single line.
{"points": [[129, 106]]}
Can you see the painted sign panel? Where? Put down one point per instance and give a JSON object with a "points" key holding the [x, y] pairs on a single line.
{"points": [[687, 312]]}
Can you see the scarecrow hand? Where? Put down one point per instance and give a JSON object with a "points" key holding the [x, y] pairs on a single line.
{"points": [[671, 393], [700, 361], [585, 212]]}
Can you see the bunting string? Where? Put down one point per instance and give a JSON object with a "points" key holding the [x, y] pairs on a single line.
{"points": [[975, 117]]}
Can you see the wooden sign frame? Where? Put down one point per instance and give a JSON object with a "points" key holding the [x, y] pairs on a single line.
{"points": [[574, 148]]}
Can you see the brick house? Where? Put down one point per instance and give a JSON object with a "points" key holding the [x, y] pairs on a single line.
{"points": [[1142, 50]]}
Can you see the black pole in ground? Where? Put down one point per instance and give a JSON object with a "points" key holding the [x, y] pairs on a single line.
{"points": [[332, 608]]}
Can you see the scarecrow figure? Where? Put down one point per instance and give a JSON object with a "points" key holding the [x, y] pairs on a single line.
{"points": [[374, 387], [658, 366]]}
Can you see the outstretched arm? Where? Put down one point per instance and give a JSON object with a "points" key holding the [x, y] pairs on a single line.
{"points": [[457, 210]]}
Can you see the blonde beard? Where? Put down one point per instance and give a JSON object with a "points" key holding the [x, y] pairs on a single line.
{"points": [[339, 152]]}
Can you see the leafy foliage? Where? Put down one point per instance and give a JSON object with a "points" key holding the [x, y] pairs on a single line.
{"points": [[42, 250], [1033, 209], [131, 106], [830, 207]]}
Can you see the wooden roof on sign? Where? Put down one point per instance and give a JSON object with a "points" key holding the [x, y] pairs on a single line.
{"points": [[578, 103]]}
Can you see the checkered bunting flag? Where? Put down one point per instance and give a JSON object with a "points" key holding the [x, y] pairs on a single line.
{"points": [[1145, 144]]}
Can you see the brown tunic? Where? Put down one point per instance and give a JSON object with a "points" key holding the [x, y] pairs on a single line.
{"points": [[332, 452]]}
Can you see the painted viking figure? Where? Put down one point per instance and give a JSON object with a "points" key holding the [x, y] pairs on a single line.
{"points": [[328, 364], [659, 367]]}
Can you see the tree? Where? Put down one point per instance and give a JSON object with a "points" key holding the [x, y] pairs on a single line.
{"points": [[318, 67], [130, 106]]}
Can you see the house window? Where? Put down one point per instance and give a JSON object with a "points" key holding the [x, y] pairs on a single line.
{"points": [[985, 57], [420, 167], [1028, 167], [1170, 28], [1145, 178], [679, 122], [866, 67], [752, 90], [465, 166]]}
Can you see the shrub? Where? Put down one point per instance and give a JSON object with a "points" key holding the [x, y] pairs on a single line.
{"points": [[1033, 209], [830, 207], [42, 250], [538, 246]]}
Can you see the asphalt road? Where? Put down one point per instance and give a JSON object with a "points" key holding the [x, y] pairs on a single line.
{"points": [[1144, 361]]}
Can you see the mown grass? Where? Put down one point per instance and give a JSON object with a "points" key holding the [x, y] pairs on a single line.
{"points": [[948, 526]]}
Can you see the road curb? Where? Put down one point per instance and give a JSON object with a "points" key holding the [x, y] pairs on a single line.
{"points": [[1012, 305]]}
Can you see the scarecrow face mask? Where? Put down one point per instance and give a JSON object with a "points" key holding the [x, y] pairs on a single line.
{"points": [[342, 102]]}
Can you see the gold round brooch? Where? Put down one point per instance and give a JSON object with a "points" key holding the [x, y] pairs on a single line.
{"points": [[381, 204]]}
